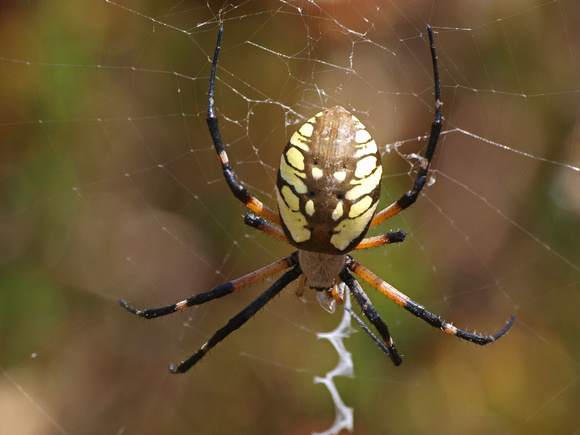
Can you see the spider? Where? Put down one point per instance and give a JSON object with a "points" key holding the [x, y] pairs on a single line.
{"points": [[327, 190]]}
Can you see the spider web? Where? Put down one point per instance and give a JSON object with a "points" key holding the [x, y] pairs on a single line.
{"points": [[111, 188]]}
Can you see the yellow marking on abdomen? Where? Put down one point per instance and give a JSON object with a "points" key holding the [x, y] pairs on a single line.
{"points": [[294, 220], [289, 198], [350, 229], [338, 211], [365, 166], [360, 207], [369, 147], [364, 186], [317, 173], [295, 158], [306, 129], [300, 141], [292, 176], [309, 207], [362, 136]]}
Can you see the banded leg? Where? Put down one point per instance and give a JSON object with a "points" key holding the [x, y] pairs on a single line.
{"points": [[382, 239], [371, 313], [216, 292], [411, 196], [238, 190], [260, 224], [418, 310], [238, 320]]}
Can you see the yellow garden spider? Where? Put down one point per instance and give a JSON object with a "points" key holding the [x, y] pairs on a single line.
{"points": [[327, 190]]}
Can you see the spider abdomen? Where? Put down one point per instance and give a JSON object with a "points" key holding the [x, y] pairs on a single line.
{"points": [[329, 183]]}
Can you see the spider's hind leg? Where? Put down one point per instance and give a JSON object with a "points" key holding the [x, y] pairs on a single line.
{"points": [[238, 320], [371, 313], [419, 311], [217, 292]]}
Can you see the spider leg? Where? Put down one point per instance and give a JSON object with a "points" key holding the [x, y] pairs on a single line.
{"points": [[418, 310], [238, 320], [216, 292], [238, 190], [263, 225], [383, 239], [371, 313], [366, 329], [411, 196]]}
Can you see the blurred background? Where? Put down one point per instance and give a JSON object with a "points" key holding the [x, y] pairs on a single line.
{"points": [[110, 188]]}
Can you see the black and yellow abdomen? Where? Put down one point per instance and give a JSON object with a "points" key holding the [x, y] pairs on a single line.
{"points": [[329, 183]]}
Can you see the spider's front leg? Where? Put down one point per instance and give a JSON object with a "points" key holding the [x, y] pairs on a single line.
{"points": [[239, 191], [411, 196]]}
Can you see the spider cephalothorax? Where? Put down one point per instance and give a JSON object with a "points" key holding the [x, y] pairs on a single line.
{"points": [[327, 190]]}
